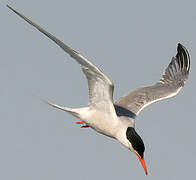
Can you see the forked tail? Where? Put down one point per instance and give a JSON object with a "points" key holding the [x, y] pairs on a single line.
{"points": [[74, 111]]}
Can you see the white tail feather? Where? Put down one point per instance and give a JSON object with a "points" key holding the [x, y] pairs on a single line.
{"points": [[77, 112]]}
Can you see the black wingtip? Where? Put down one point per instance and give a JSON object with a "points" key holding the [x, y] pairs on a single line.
{"points": [[183, 56], [180, 47], [8, 6], [11, 8]]}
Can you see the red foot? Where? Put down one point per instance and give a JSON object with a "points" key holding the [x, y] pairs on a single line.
{"points": [[79, 122], [85, 126]]}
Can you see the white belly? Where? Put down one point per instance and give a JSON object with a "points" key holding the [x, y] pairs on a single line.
{"points": [[103, 123]]}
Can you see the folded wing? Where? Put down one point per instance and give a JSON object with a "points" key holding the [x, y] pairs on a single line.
{"points": [[170, 84]]}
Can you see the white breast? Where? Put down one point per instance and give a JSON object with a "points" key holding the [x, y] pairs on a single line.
{"points": [[103, 123]]}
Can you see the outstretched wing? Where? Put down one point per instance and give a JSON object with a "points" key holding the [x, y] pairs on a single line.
{"points": [[170, 84], [100, 86]]}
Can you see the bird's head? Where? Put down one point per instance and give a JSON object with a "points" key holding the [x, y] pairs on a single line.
{"points": [[136, 145]]}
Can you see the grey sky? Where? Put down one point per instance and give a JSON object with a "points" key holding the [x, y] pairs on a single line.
{"points": [[130, 41]]}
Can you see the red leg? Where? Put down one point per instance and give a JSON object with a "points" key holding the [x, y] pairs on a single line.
{"points": [[79, 122], [85, 126]]}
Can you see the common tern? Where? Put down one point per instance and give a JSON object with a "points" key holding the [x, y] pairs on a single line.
{"points": [[117, 119]]}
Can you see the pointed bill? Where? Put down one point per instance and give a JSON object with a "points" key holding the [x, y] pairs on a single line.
{"points": [[142, 162]]}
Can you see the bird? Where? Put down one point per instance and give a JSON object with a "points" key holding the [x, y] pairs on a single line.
{"points": [[116, 119]]}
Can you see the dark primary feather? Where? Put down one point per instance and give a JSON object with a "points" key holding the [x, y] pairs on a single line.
{"points": [[170, 84], [178, 69]]}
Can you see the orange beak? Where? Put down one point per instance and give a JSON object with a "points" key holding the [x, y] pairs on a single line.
{"points": [[142, 162]]}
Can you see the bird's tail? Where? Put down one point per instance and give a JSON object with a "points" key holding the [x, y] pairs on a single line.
{"points": [[77, 112]]}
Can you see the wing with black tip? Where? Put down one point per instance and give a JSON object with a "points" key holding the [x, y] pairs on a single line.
{"points": [[170, 84]]}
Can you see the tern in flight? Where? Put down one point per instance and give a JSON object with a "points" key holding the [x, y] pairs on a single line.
{"points": [[117, 119]]}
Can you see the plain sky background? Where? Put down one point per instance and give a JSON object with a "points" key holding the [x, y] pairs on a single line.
{"points": [[132, 42]]}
